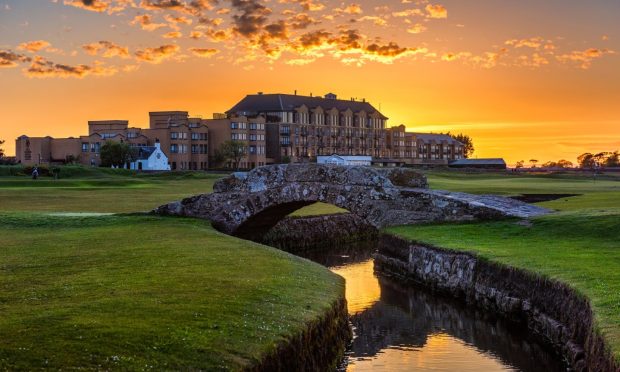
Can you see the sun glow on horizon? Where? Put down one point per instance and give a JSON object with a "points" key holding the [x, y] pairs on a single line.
{"points": [[525, 80]]}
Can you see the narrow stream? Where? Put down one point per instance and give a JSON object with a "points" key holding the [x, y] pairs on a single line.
{"points": [[400, 328]]}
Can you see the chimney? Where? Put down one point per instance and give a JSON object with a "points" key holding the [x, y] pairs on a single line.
{"points": [[260, 93], [310, 94], [295, 91], [157, 144]]}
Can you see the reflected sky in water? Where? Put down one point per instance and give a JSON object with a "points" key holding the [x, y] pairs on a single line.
{"points": [[399, 328]]}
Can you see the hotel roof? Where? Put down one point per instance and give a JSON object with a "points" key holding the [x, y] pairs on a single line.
{"points": [[257, 103], [435, 137]]}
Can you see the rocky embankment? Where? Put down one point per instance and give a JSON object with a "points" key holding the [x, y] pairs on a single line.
{"points": [[296, 234], [553, 311]]}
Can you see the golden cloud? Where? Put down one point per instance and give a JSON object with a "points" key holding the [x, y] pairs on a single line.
{"points": [[157, 55]]}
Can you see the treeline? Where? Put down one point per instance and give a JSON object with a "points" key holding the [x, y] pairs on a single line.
{"points": [[600, 160], [587, 160]]}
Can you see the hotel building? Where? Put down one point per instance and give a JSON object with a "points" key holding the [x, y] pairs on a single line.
{"points": [[273, 128]]}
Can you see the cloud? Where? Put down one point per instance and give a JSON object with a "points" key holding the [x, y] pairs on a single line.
{"points": [[251, 18], [100, 6], [11, 59], [350, 9], [417, 28], [533, 42], [436, 11], [157, 55], [374, 19], [146, 22], [43, 68], [172, 35], [34, 46], [108, 48], [204, 52], [584, 58]]}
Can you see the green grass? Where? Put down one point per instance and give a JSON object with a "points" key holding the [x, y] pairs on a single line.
{"points": [[580, 245], [145, 292], [135, 292], [317, 209], [101, 192]]}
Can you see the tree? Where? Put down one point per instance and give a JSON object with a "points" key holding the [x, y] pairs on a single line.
{"points": [[586, 160], [115, 154], [613, 160], [1, 149], [550, 164], [233, 151], [533, 162], [519, 164], [564, 164], [600, 159]]}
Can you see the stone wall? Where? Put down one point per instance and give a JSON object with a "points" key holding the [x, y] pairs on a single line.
{"points": [[551, 310], [295, 234]]}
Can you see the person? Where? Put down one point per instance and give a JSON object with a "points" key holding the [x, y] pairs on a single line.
{"points": [[35, 173]]}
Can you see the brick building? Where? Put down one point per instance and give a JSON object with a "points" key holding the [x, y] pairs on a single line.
{"points": [[273, 128], [184, 140], [299, 128]]}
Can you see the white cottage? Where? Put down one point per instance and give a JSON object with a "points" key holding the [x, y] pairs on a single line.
{"points": [[151, 158], [344, 160]]}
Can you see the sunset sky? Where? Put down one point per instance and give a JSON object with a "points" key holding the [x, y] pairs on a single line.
{"points": [[526, 79]]}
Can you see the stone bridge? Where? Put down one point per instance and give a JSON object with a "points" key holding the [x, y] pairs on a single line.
{"points": [[250, 204]]}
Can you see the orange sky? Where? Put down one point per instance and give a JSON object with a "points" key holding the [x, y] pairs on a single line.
{"points": [[525, 80]]}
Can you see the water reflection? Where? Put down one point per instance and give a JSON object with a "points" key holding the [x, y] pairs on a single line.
{"points": [[402, 329]]}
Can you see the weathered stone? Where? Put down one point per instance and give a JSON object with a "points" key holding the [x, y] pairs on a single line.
{"points": [[247, 204], [405, 177]]}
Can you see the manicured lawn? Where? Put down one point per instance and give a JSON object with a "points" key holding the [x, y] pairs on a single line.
{"points": [[100, 192], [135, 292], [145, 292], [579, 245]]}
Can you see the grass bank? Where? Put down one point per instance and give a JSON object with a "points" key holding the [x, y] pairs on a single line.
{"points": [[144, 292], [135, 292], [579, 245]]}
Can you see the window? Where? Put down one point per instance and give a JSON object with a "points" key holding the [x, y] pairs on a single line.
{"points": [[239, 137], [108, 135], [238, 125], [195, 149], [199, 136], [174, 148], [85, 146], [174, 135], [252, 149], [132, 135]]}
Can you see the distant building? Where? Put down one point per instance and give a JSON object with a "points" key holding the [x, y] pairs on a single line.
{"points": [[273, 128], [184, 140], [300, 128], [150, 158], [249, 132], [411, 148], [344, 159], [496, 163]]}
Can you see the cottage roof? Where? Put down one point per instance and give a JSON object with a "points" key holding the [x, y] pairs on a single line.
{"points": [[145, 152]]}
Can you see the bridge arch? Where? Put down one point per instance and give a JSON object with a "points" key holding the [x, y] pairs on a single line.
{"points": [[248, 204]]}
